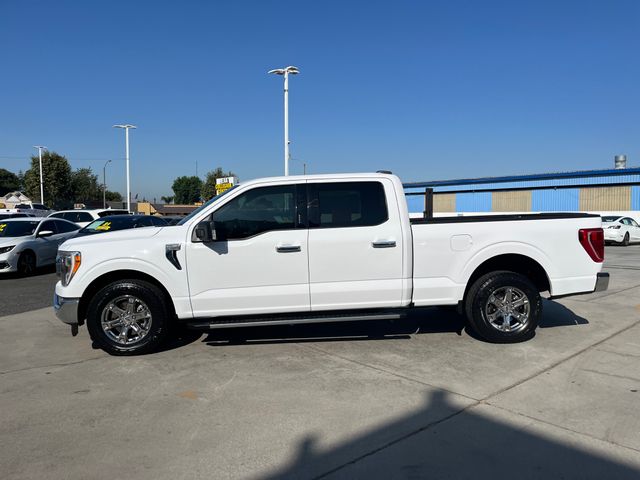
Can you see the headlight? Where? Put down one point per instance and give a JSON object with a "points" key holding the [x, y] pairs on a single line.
{"points": [[6, 249], [617, 227], [67, 264]]}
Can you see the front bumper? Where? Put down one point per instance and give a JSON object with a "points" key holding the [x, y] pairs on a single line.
{"points": [[8, 262], [66, 309]]}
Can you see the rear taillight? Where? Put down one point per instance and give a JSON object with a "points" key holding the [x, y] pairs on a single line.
{"points": [[592, 240]]}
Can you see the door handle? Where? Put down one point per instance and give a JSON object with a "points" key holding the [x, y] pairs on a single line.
{"points": [[383, 243], [288, 248]]}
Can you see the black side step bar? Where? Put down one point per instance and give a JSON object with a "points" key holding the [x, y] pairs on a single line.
{"points": [[290, 319]]}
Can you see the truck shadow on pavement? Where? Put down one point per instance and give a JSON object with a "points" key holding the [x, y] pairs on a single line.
{"points": [[555, 314], [427, 321], [420, 321], [445, 440]]}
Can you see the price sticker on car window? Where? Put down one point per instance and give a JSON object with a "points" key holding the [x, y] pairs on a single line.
{"points": [[106, 226], [2, 226]]}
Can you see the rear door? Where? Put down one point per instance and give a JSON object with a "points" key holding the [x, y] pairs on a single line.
{"points": [[355, 245]]}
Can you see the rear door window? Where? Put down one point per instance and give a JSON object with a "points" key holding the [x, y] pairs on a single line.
{"points": [[347, 204]]}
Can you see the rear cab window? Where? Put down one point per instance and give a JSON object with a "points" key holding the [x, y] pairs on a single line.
{"points": [[347, 204]]}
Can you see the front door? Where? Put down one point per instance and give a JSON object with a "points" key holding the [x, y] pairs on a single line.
{"points": [[355, 245], [47, 247], [258, 264]]}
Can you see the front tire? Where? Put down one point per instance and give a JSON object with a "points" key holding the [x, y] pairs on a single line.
{"points": [[128, 317], [503, 307], [27, 263]]}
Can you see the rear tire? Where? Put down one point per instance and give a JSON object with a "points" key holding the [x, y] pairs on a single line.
{"points": [[503, 307], [128, 317], [625, 241], [27, 263]]}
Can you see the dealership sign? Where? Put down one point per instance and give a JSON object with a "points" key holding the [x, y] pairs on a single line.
{"points": [[225, 183]]}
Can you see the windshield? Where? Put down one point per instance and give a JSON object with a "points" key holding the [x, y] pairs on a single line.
{"points": [[109, 224], [610, 219], [17, 229], [205, 205]]}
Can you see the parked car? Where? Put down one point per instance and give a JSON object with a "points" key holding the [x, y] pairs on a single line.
{"points": [[6, 216], [30, 208], [620, 230], [86, 216], [120, 222], [29, 243], [323, 248]]}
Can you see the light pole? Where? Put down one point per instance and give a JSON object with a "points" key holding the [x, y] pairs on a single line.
{"points": [[104, 184], [286, 71], [126, 146], [40, 148]]}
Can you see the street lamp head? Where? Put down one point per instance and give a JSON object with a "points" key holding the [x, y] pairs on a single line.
{"points": [[291, 70], [125, 126], [40, 146]]}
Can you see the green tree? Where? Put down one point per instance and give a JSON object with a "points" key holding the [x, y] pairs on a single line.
{"points": [[112, 196], [209, 186], [56, 174], [84, 186], [167, 199], [186, 189], [9, 181]]}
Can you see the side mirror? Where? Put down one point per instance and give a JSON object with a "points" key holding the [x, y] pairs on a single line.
{"points": [[44, 233], [203, 232]]}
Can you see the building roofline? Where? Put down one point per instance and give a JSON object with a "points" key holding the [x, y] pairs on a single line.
{"points": [[530, 177]]}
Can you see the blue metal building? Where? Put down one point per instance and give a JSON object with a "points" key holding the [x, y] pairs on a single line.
{"points": [[588, 190]]}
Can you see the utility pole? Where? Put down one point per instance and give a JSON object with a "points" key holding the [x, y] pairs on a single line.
{"points": [[104, 184], [40, 148], [290, 70]]}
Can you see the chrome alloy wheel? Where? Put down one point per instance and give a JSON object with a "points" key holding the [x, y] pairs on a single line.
{"points": [[126, 319], [507, 309]]}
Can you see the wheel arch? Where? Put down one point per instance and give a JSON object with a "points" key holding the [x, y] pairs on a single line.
{"points": [[513, 262], [109, 277]]}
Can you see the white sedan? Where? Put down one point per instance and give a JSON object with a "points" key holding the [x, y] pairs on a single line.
{"points": [[29, 243], [621, 230]]}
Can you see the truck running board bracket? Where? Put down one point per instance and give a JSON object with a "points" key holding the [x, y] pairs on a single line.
{"points": [[291, 319]]}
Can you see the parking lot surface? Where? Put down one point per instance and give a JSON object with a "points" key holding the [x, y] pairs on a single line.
{"points": [[414, 399]]}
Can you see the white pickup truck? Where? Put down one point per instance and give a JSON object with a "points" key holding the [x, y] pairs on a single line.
{"points": [[322, 248]]}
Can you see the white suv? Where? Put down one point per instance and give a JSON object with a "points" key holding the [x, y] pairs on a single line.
{"points": [[85, 217]]}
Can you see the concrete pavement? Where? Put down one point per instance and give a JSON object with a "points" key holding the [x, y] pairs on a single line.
{"points": [[411, 400]]}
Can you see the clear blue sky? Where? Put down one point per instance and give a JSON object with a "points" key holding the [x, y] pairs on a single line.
{"points": [[428, 89]]}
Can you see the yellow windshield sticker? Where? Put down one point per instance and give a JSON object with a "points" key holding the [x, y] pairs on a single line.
{"points": [[105, 226], [2, 226]]}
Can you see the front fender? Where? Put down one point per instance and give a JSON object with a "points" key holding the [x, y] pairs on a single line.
{"points": [[175, 283]]}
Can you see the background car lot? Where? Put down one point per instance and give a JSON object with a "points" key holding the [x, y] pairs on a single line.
{"points": [[370, 400]]}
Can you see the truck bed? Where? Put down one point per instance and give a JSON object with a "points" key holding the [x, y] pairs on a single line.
{"points": [[446, 250], [502, 217]]}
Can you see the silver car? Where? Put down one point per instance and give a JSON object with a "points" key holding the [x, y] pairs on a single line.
{"points": [[29, 243]]}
